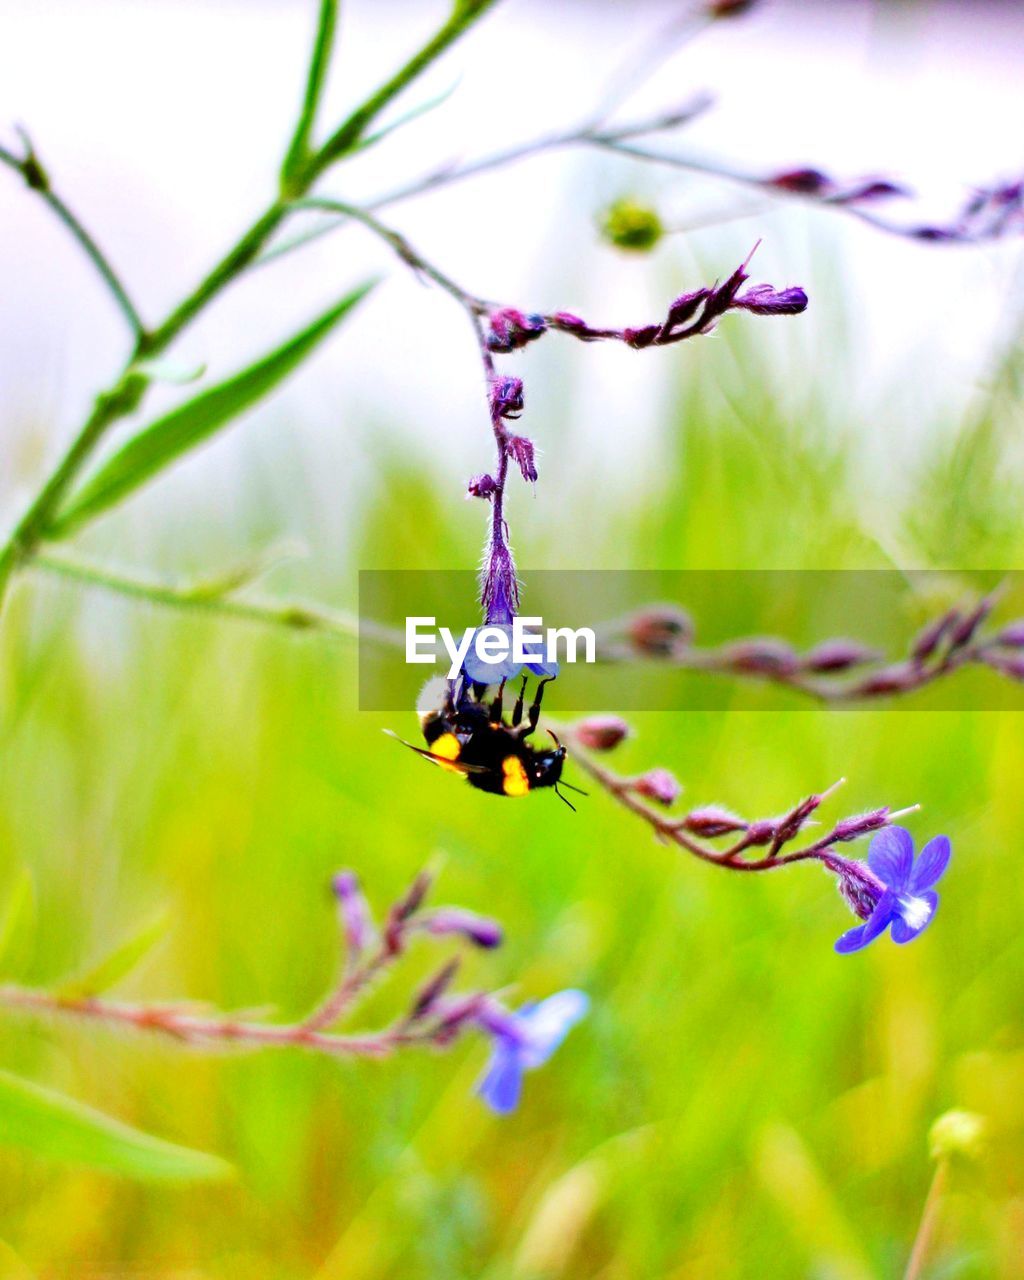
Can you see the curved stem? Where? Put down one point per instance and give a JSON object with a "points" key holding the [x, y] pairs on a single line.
{"points": [[37, 179]]}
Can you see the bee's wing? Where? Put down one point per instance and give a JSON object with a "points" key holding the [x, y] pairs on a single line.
{"points": [[443, 761]]}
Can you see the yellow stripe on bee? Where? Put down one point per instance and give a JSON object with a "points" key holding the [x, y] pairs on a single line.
{"points": [[516, 782], [450, 748]]}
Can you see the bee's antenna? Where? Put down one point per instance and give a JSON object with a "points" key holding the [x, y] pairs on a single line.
{"points": [[579, 790], [563, 799], [554, 737]]}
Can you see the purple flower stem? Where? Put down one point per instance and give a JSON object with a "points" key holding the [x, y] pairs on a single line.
{"points": [[774, 834]]}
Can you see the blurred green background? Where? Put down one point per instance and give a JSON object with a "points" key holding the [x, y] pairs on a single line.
{"points": [[742, 1102]]}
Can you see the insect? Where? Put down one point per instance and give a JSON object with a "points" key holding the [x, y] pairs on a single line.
{"points": [[468, 736]]}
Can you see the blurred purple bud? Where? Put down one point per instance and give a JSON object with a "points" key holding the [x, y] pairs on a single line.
{"points": [[1012, 635], [432, 991], [761, 832], [804, 182], [522, 452], [658, 785], [727, 8], [838, 655], [857, 883], [567, 322], [894, 679], [601, 733], [403, 910], [640, 338], [929, 639], [873, 189], [479, 930], [481, 487], [964, 631], [354, 911], [511, 329], [712, 821], [762, 655], [660, 630], [506, 397], [765, 300]]}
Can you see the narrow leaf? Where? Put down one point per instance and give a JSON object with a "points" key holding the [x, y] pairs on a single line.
{"points": [[50, 1124], [17, 924], [161, 443], [119, 962]]}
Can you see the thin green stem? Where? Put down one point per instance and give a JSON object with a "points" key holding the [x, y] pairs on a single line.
{"points": [[299, 148], [350, 132], [197, 598], [38, 180]]}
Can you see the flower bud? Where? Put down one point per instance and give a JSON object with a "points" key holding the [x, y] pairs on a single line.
{"points": [[712, 821], [481, 487], [601, 733], [762, 656], [511, 329], [860, 824], [658, 785], [432, 991], [728, 8], [660, 630], [1012, 635], [521, 450], [838, 655], [627, 224], [354, 911], [803, 182], [507, 397], [479, 930], [957, 1133]]}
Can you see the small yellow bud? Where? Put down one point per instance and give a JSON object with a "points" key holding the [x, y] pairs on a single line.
{"points": [[957, 1133], [628, 224]]}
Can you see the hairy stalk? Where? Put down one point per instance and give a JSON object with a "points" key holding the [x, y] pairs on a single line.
{"points": [[197, 598], [773, 834]]}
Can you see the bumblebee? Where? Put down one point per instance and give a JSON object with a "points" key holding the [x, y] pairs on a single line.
{"points": [[468, 736]]}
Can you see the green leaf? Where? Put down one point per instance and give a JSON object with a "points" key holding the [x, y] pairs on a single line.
{"points": [[17, 925], [50, 1124], [161, 443], [120, 962]]}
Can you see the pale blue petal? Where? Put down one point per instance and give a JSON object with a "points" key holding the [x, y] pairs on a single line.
{"points": [[851, 940], [545, 1025], [891, 856], [503, 1080]]}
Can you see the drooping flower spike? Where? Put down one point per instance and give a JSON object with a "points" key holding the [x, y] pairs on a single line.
{"points": [[524, 1040], [894, 890]]}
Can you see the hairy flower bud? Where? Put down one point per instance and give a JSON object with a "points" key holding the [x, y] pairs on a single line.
{"points": [[762, 656], [957, 1133], [481, 487], [511, 329], [658, 785], [804, 182], [601, 733], [628, 224], [712, 821], [521, 450], [506, 397], [660, 630], [433, 989], [765, 300]]}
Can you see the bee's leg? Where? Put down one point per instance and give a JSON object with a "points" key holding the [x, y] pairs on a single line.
{"points": [[533, 715], [517, 710], [496, 707]]}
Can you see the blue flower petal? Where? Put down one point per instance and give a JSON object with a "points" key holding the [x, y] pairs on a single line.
{"points": [[543, 668], [930, 865], [891, 856], [503, 1080], [545, 1025], [852, 940], [867, 932], [902, 932]]}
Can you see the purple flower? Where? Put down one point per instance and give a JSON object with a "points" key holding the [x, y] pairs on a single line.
{"points": [[892, 889], [481, 672], [524, 1040]]}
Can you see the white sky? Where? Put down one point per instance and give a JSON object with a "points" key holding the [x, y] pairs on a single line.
{"points": [[162, 123]]}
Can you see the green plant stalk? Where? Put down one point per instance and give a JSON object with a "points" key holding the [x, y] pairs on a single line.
{"points": [[298, 150], [130, 387]]}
